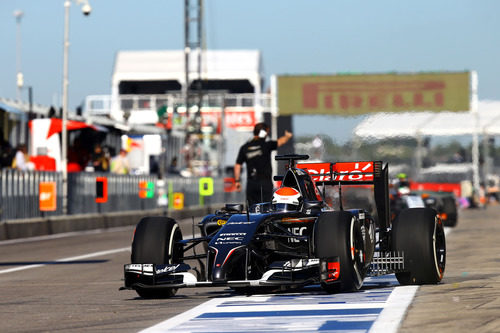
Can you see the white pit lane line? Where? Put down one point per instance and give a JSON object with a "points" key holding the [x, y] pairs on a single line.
{"points": [[394, 310], [80, 257], [63, 235]]}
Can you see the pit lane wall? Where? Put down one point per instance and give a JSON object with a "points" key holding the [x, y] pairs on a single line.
{"points": [[22, 228], [31, 201]]}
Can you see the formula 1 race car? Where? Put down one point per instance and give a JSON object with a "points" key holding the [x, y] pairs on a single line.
{"points": [[444, 203], [293, 241]]}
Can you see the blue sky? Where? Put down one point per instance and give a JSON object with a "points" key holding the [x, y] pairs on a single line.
{"points": [[294, 36]]}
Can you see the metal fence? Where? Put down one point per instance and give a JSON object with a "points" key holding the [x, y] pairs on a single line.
{"points": [[123, 193], [19, 196], [20, 193]]}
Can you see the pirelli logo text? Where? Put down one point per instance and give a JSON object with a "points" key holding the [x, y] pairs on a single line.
{"points": [[375, 96], [366, 93]]}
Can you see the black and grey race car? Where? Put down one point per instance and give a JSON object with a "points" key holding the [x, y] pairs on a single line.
{"points": [[444, 203], [293, 241]]}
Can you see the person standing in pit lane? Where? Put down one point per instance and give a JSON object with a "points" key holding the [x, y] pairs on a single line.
{"points": [[257, 155]]}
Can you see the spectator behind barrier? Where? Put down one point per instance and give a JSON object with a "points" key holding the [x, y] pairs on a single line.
{"points": [[22, 160], [172, 168], [100, 161], [6, 152], [120, 164]]}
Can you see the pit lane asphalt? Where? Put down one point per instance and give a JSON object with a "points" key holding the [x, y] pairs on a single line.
{"points": [[81, 294]]}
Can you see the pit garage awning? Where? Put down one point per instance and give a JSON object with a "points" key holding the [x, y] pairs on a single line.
{"points": [[54, 125], [13, 111], [417, 124]]}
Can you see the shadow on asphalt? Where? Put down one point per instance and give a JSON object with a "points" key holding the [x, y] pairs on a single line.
{"points": [[71, 262]]}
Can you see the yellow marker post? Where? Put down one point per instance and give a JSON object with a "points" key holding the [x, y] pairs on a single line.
{"points": [[206, 188]]}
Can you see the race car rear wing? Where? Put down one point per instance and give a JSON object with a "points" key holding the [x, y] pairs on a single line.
{"points": [[356, 173]]}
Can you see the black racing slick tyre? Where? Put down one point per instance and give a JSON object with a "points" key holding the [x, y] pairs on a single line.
{"points": [[419, 234], [450, 209], [338, 234], [155, 242]]}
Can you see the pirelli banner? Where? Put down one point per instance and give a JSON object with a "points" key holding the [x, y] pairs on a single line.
{"points": [[365, 93]]}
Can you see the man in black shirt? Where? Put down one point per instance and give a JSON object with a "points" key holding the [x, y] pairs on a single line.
{"points": [[257, 155]]}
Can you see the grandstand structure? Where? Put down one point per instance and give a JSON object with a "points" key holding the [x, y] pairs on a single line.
{"points": [[149, 87]]}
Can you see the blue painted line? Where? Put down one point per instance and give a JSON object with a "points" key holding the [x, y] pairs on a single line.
{"points": [[373, 308], [337, 325], [332, 302], [293, 313]]}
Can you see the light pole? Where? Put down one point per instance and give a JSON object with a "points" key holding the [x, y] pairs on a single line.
{"points": [[18, 14], [86, 9]]}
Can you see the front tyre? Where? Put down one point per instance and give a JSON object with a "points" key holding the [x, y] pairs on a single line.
{"points": [[338, 234], [156, 242], [419, 234]]}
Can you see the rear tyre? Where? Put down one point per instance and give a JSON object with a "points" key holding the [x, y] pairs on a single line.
{"points": [[419, 233], [338, 234], [155, 242], [450, 209]]}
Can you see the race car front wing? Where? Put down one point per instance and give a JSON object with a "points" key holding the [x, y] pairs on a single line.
{"points": [[154, 276], [292, 273]]}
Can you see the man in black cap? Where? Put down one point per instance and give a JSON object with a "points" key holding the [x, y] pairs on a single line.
{"points": [[257, 155]]}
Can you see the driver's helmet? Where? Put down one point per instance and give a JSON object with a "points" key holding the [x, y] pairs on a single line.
{"points": [[286, 199], [403, 185]]}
